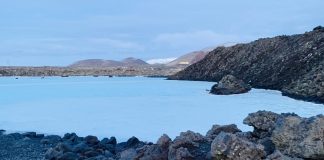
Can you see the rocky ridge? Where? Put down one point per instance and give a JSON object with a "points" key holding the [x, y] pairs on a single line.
{"points": [[292, 64], [275, 137]]}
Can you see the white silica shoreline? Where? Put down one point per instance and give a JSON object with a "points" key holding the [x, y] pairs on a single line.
{"points": [[130, 106]]}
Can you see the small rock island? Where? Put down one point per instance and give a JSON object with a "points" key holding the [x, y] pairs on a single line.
{"points": [[230, 85]]}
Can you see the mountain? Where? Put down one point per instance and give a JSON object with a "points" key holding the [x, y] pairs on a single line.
{"points": [[133, 61], [189, 58], [96, 63], [292, 64]]}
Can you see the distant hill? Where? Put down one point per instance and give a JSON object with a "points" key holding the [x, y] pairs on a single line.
{"points": [[96, 63], [133, 61], [189, 59]]}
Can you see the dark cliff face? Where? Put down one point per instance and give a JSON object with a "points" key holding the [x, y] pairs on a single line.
{"points": [[293, 64]]}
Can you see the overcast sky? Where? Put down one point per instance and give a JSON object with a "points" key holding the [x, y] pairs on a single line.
{"points": [[59, 32]]}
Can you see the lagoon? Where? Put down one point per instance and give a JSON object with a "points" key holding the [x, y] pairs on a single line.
{"points": [[130, 106]]}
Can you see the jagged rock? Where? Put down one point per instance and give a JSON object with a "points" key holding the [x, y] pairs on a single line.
{"points": [[16, 135], [26, 139], [230, 85], [196, 144], [91, 140], [319, 28], [158, 151], [300, 137], [277, 155], [82, 147], [230, 147], [152, 152], [2, 131], [263, 122], [164, 141], [216, 129], [53, 154], [183, 154], [111, 141], [29, 134], [51, 139], [64, 147], [105, 145], [128, 154], [40, 136], [71, 137], [91, 153], [132, 142], [108, 154]]}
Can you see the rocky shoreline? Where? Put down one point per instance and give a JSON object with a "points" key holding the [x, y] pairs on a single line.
{"points": [[156, 71], [275, 137], [292, 64]]}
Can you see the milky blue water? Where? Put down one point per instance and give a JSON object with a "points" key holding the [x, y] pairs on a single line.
{"points": [[133, 106]]}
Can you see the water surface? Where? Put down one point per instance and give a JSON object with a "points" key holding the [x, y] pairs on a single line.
{"points": [[132, 106]]}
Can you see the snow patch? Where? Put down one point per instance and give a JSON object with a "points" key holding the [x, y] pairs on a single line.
{"points": [[161, 60]]}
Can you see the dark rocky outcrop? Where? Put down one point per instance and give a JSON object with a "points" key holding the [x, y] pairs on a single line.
{"points": [[229, 146], [189, 145], [275, 137], [300, 137], [216, 129], [230, 85], [292, 64]]}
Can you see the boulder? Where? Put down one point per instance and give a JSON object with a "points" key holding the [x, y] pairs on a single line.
{"points": [[128, 154], [91, 153], [230, 147], [16, 136], [82, 147], [194, 143], [2, 131], [72, 137], [40, 136], [64, 147], [91, 140], [51, 139], [300, 137], [29, 134], [158, 151], [230, 85], [111, 140], [319, 28], [183, 154], [52, 154], [216, 129], [132, 141], [152, 152], [164, 141], [277, 155], [263, 122]]}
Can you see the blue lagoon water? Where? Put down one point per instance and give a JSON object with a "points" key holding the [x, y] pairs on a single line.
{"points": [[132, 106]]}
